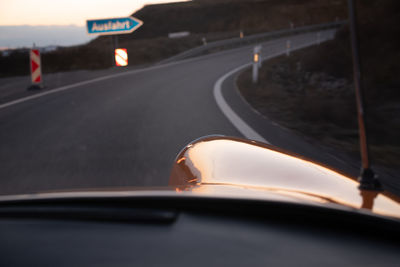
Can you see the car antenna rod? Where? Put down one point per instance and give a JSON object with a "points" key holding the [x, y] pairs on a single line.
{"points": [[368, 180]]}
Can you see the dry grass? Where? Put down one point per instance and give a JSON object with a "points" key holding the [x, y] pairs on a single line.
{"points": [[322, 116], [290, 95]]}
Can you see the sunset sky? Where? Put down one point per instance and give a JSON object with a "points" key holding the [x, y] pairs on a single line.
{"points": [[66, 12], [57, 22]]}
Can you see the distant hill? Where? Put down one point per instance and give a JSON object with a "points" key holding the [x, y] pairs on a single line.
{"points": [[25, 35]]}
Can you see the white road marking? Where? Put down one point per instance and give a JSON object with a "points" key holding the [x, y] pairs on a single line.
{"points": [[70, 86], [239, 124]]}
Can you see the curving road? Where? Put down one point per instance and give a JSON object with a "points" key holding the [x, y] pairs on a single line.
{"points": [[124, 129]]}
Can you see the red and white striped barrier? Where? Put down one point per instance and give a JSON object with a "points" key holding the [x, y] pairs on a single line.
{"points": [[121, 57], [36, 70]]}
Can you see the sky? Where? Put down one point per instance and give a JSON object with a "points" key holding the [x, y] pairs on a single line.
{"points": [[48, 22]]}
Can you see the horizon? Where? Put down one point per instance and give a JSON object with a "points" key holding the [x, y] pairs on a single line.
{"points": [[55, 24], [24, 36], [56, 13]]}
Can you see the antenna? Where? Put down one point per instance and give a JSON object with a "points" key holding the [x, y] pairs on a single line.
{"points": [[368, 180]]}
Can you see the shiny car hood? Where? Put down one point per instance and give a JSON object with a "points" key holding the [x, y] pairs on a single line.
{"points": [[235, 168]]}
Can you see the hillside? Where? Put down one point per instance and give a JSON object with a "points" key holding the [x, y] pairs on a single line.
{"points": [[312, 91], [232, 16]]}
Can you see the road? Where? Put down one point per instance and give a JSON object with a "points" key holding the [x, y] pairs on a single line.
{"points": [[123, 130]]}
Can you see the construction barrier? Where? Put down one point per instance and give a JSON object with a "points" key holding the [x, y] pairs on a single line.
{"points": [[36, 70]]}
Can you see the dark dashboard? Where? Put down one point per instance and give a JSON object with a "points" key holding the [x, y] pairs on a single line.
{"points": [[185, 232]]}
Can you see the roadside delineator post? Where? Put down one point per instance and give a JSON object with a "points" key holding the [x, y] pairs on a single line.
{"points": [[256, 62], [288, 46], [36, 70], [258, 51]]}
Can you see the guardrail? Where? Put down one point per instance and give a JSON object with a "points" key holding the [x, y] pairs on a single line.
{"points": [[256, 38]]}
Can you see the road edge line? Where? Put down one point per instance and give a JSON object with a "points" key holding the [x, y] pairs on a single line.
{"points": [[110, 76], [236, 121]]}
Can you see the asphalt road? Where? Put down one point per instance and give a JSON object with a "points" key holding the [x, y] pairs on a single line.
{"points": [[123, 130]]}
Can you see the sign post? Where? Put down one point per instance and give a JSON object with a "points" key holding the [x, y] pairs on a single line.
{"points": [[114, 40]]}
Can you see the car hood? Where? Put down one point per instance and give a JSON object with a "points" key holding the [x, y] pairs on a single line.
{"points": [[236, 167]]}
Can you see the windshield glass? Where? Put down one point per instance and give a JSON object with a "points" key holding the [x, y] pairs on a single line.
{"points": [[104, 94]]}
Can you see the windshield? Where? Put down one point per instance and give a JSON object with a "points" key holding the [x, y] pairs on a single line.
{"points": [[102, 95]]}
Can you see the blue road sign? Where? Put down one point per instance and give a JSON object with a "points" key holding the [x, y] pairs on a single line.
{"points": [[113, 26]]}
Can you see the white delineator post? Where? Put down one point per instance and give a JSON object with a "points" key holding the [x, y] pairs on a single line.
{"points": [[288, 46], [36, 69], [256, 62], [255, 72]]}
